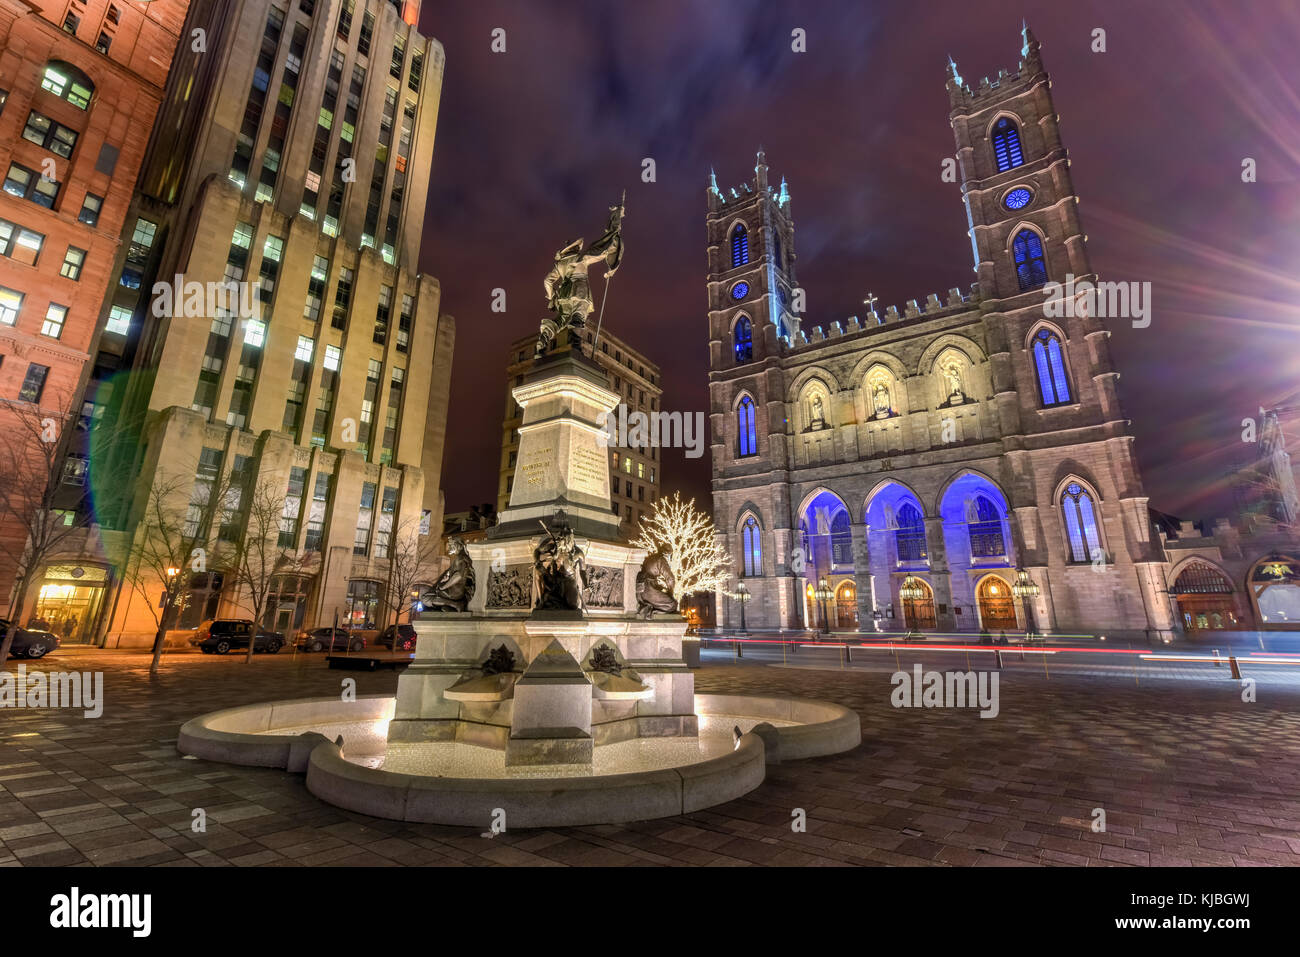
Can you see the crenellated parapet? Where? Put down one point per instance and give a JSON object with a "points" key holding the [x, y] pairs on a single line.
{"points": [[955, 302]]}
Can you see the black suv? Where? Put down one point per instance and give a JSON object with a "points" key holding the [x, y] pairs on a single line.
{"points": [[405, 640], [319, 639], [29, 642], [217, 636]]}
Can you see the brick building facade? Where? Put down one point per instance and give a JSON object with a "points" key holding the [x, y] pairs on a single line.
{"points": [[80, 83]]}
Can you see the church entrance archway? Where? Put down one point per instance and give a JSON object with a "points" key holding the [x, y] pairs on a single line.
{"points": [[918, 613], [846, 605], [997, 609]]}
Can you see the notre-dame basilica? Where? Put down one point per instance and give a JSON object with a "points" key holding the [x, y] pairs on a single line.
{"points": [[958, 447]]}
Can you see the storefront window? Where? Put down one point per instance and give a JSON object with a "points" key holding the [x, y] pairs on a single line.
{"points": [[363, 604], [69, 601]]}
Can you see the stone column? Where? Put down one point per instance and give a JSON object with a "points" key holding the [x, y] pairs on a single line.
{"points": [[939, 575], [862, 577]]}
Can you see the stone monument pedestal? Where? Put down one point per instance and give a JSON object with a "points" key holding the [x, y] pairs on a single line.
{"points": [[580, 678]]}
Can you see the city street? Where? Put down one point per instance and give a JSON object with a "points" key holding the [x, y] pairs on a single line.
{"points": [[1185, 771]]}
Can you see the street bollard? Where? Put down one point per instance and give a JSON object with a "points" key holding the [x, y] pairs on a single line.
{"points": [[1236, 671], [739, 651], [1217, 662], [997, 653]]}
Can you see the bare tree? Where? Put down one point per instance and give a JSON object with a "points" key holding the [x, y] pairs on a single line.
{"points": [[174, 539], [412, 558], [36, 502], [258, 560]]}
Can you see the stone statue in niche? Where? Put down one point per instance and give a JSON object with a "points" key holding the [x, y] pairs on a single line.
{"points": [[818, 419], [559, 570], [654, 585], [880, 401], [951, 373], [455, 587]]}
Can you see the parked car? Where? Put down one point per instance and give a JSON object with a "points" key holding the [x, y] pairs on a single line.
{"points": [[218, 636], [29, 642], [404, 640], [331, 639]]}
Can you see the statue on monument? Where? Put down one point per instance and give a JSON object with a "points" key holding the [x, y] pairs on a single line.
{"points": [[654, 585], [559, 570], [568, 293], [455, 587]]}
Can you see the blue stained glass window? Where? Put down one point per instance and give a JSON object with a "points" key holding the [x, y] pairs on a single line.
{"points": [[1058, 370], [740, 290], [753, 545], [739, 246], [747, 431], [910, 535], [1018, 198], [1080, 523], [986, 531], [1050, 364], [1031, 268], [744, 340], [1006, 145]]}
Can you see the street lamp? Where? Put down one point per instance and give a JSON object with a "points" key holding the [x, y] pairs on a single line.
{"points": [[823, 594], [1026, 588], [911, 591], [742, 596]]}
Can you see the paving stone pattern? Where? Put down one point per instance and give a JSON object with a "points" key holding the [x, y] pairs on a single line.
{"points": [[1186, 772]]}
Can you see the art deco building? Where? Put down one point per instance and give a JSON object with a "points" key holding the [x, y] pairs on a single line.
{"points": [[946, 445], [80, 83], [634, 472], [293, 150]]}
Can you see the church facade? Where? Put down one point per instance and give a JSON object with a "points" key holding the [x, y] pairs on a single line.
{"points": [[905, 470]]}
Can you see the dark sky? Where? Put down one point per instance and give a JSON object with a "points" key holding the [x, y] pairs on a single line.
{"points": [[534, 143]]}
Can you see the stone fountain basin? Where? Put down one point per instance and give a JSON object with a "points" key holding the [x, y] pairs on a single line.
{"points": [[299, 736]]}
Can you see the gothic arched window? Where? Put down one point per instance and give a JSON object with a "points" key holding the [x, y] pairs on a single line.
{"points": [[1050, 365], [744, 337], [986, 531], [745, 427], [1006, 145], [841, 539], [739, 246], [910, 535], [1031, 269], [1080, 523], [751, 536]]}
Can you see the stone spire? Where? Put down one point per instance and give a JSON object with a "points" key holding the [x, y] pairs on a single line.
{"points": [[760, 171], [1029, 49]]}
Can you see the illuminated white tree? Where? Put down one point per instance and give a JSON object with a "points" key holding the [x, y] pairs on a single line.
{"points": [[698, 561]]}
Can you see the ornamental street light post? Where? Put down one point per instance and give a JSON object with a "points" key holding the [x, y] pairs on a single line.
{"points": [[1025, 588], [823, 594], [742, 596]]}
